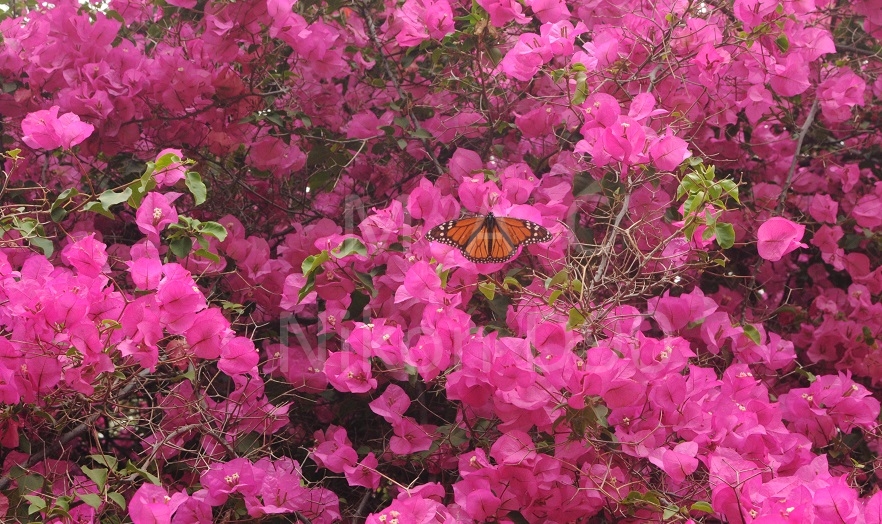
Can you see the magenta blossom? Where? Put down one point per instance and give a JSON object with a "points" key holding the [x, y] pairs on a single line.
{"points": [[777, 237], [46, 130]]}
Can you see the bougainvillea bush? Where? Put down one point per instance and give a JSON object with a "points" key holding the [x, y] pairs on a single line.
{"points": [[218, 304]]}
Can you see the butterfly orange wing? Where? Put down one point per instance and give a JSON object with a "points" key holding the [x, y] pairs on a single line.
{"points": [[456, 232], [520, 232], [488, 239]]}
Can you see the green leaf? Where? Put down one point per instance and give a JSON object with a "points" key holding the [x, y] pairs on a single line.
{"points": [[196, 186], [204, 253], [321, 179], [715, 191], [106, 200], [61, 506], [43, 244], [575, 319], [511, 283], [702, 506], [752, 333], [554, 296], [28, 483], [26, 226], [633, 497], [358, 301], [232, 306], [669, 512], [783, 43], [64, 197], [559, 278], [57, 215], [37, 504], [213, 229], [349, 246], [106, 460], [725, 234], [145, 184], [488, 289], [132, 468], [181, 247], [91, 499], [581, 93], [118, 499], [109, 323], [166, 160], [517, 518], [313, 263], [601, 413], [307, 288], [98, 476], [422, 133], [367, 280], [693, 202]]}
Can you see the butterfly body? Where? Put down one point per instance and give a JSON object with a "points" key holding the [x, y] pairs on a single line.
{"points": [[488, 239]]}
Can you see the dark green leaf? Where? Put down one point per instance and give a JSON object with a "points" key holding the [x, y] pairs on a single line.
{"points": [[367, 281], [106, 200], [43, 244], [213, 229], [106, 460], [204, 253], [57, 215], [97, 475], [118, 499], [725, 234], [91, 499], [181, 247], [132, 468], [29, 483]]}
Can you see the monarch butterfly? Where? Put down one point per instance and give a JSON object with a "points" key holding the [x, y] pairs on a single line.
{"points": [[489, 238]]}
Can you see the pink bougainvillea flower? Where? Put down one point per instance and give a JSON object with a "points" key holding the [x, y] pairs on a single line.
{"points": [[669, 151], [168, 175], [334, 450], [392, 404], [410, 437], [364, 473], [87, 255], [347, 371], [777, 237], [152, 504], [504, 11], [155, 213], [238, 356], [46, 130], [236, 476]]}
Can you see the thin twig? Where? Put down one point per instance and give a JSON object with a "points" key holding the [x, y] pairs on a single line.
{"points": [[802, 132], [372, 34]]}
